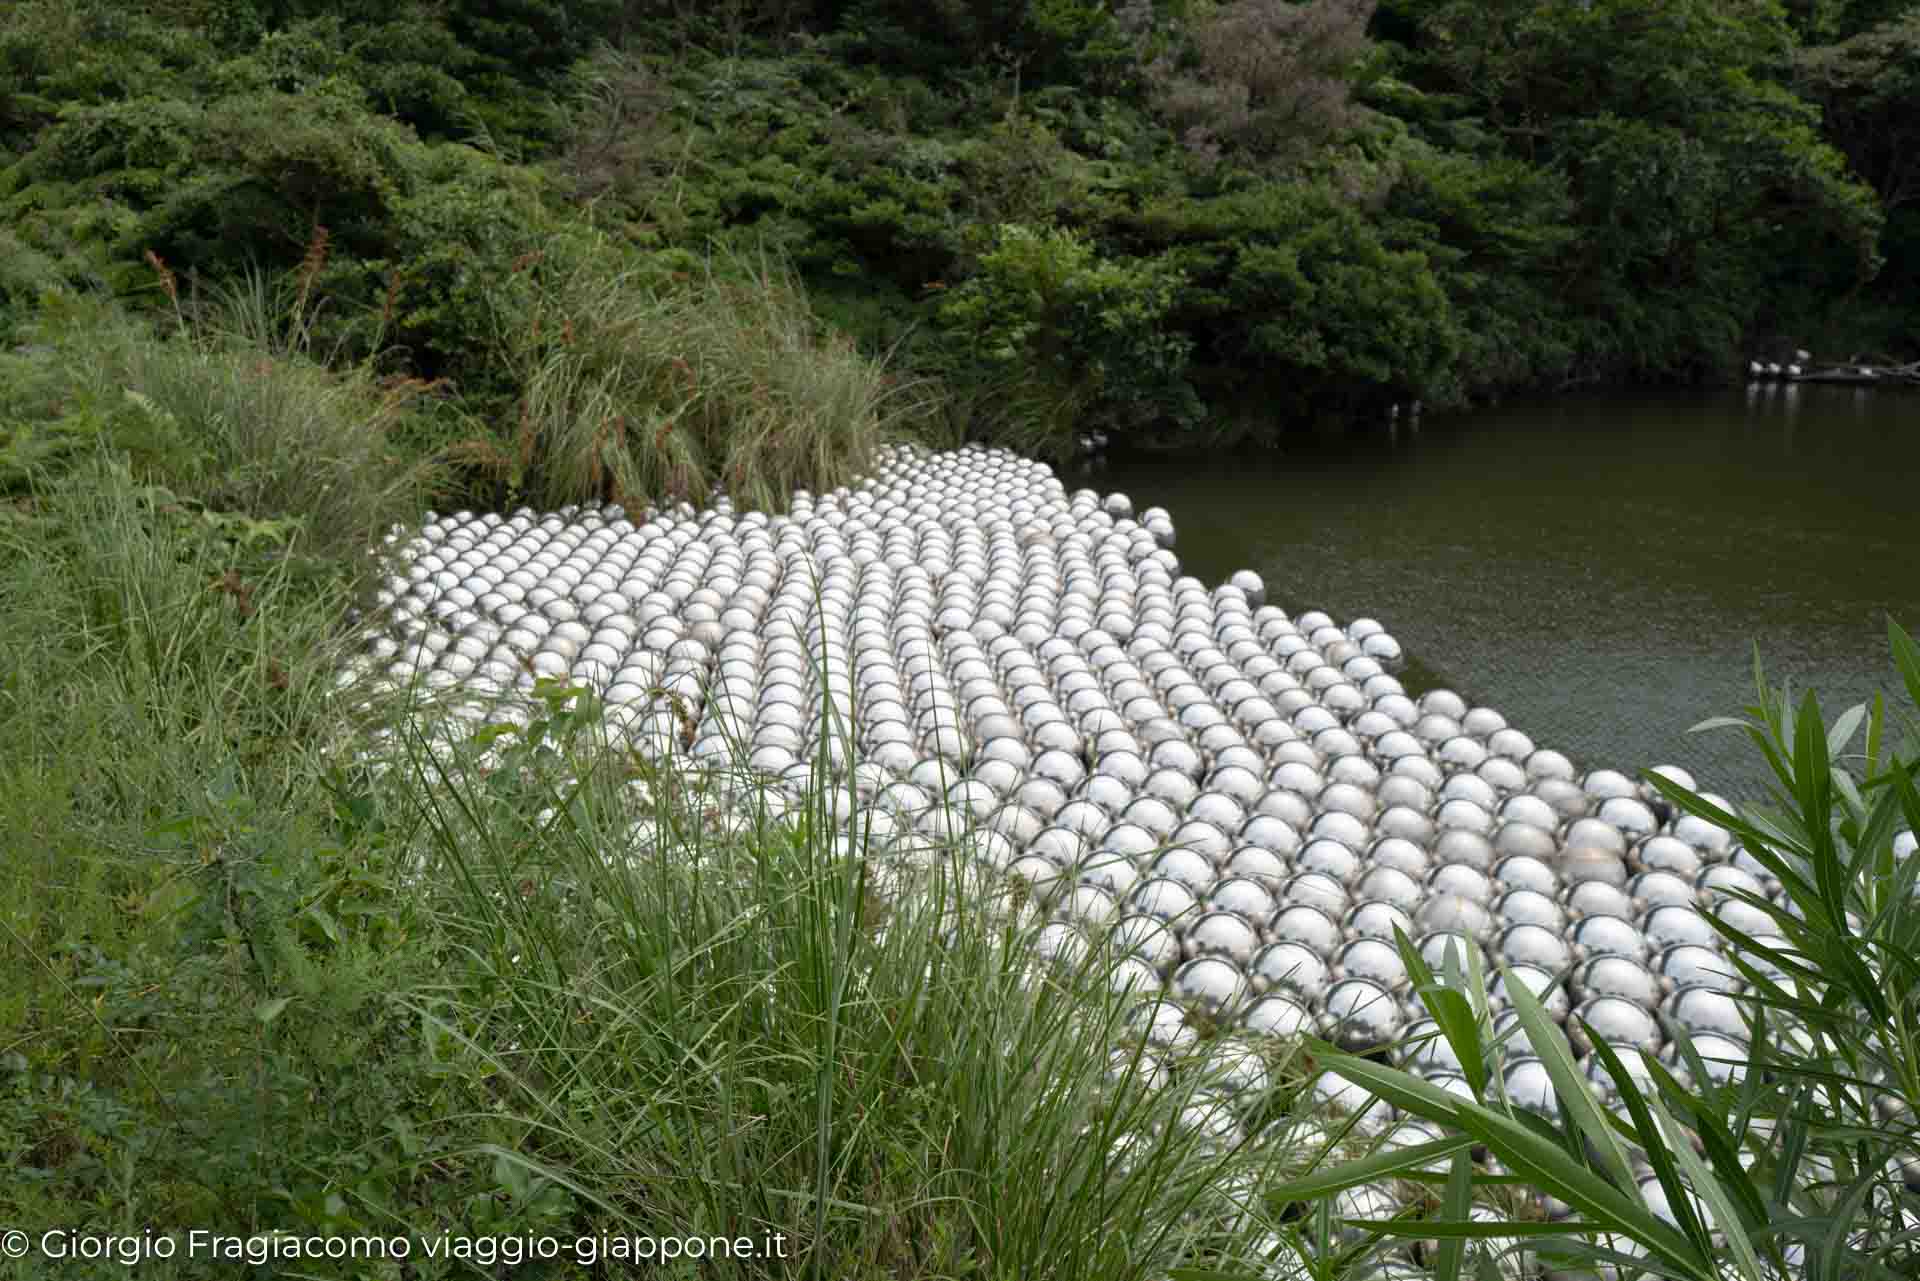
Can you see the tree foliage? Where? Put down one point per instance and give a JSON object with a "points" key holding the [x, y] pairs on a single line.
{"points": [[1160, 208], [1868, 87], [1073, 336], [1265, 78], [1705, 201]]}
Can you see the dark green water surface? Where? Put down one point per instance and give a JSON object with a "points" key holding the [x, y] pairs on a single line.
{"points": [[1597, 569]]}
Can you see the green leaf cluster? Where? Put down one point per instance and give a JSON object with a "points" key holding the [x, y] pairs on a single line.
{"points": [[1078, 336]]}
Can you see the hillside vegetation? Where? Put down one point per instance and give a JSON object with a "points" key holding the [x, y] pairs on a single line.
{"points": [[1180, 221]]}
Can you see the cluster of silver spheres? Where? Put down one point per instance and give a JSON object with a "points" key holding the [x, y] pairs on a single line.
{"points": [[1231, 808]]}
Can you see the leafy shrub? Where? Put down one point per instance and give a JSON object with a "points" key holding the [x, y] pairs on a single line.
{"points": [[448, 69], [1067, 336], [405, 69], [412, 244], [65, 53], [1018, 171], [210, 186], [1495, 230], [1042, 41], [1293, 297]]}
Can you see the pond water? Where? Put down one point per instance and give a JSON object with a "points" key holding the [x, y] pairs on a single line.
{"points": [[1599, 568]]}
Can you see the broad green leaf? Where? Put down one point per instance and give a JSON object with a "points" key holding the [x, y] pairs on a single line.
{"points": [[1720, 722], [1909, 800], [1876, 726], [326, 922], [267, 1011], [1547, 1166], [1710, 1107], [1874, 854], [1648, 1134], [1813, 790], [1448, 1006], [1845, 727], [1476, 981], [1367, 1169], [1417, 968], [1409, 1093], [1906, 657], [1751, 835], [1454, 1013], [1792, 1140], [1856, 805]]}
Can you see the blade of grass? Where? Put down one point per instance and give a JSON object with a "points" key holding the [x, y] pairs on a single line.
{"points": [[1454, 1205], [1733, 1226], [1448, 1007], [1577, 1104]]}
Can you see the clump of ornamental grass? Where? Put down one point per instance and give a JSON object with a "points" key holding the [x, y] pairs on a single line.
{"points": [[231, 411], [638, 386], [713, 1006], [1803, 1161]]}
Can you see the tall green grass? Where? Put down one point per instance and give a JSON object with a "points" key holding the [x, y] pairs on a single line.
{"points": [[716, 378], [706, 1016], [168, 863], [230, 425], [248, 982]]}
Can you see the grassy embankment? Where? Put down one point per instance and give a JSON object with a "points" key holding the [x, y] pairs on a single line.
{"points": [[251, 985]]}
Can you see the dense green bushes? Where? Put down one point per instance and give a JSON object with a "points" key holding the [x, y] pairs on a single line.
{"points": [[1073, 338], [1297, 296], [1275, 212]]}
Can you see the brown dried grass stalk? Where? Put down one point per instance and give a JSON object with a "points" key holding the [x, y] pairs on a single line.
{"points": [[389, 305], [311, 265], [167, 281]]}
